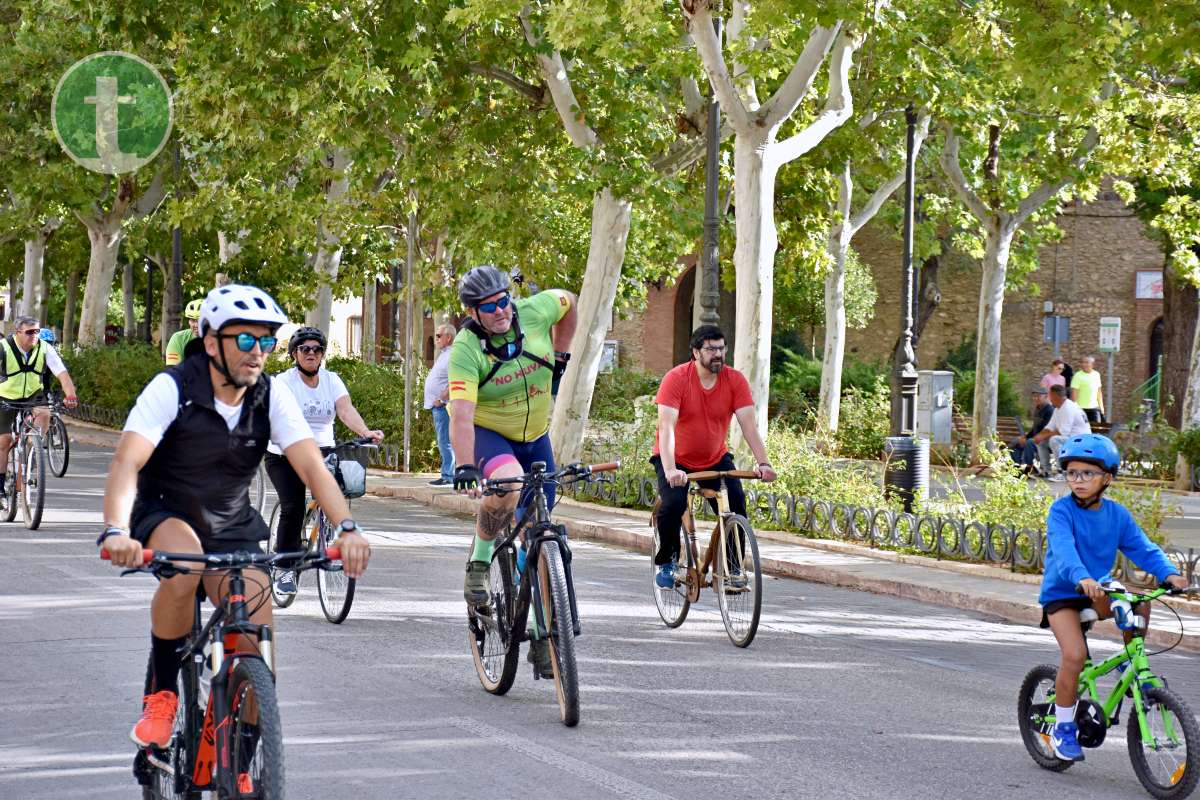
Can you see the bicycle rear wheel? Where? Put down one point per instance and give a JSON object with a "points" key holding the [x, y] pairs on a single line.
{"points": [[256, 735], [491, 635], [333, 587], [33, 498], [1163, 763], [673, 603], [59, 446], [281, 600], [157, 783], [1034, 704], [10, 485], [556, 605], [738, 579], [258, 488]]}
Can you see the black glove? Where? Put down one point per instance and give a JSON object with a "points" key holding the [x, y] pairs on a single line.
{"points": [[560, 366], [467, 476]]}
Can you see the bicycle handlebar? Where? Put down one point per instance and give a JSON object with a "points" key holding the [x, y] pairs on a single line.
{"points": [[573, 472], [229, 560], [709, 474], [1138, 597]]}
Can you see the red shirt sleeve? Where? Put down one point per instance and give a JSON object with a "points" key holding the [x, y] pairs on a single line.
{"points": [[741, 390], [670, 391]]}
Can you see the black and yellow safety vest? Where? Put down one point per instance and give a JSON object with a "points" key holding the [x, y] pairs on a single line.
{"points": [[24, 373]]}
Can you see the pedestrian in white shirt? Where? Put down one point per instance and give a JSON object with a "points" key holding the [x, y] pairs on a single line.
{"points": [[437, 394], [1067, 421]]}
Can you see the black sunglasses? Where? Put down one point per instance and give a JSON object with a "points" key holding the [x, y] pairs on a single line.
{"points": [[311, 348], [246, 341]]}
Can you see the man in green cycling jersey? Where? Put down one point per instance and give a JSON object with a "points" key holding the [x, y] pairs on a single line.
{"points": [[179, 340], [502, 368]]}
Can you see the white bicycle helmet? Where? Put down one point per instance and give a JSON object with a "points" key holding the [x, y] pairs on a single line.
{"points": [[239, 303]]}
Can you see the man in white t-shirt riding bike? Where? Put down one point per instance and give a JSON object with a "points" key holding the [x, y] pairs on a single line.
{"points": [[180, 479], [321, 395]]}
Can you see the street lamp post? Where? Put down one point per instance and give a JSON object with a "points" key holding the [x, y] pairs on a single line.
{"points": [[904, 364]]}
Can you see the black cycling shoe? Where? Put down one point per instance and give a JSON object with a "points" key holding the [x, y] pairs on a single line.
{"points": [[539, 656]]}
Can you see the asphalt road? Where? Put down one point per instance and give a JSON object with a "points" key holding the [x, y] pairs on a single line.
{"points": [[842, 693]]}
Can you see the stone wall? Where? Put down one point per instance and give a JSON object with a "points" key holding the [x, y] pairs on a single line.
{"points": [[1090, 274]]}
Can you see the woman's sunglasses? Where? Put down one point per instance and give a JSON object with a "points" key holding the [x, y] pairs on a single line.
{"points": [[492, 307], [246, 341], [308, 349]]}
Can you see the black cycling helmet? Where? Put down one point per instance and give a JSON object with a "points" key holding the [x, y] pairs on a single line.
{"points": [[481, 282], [304, 334]]}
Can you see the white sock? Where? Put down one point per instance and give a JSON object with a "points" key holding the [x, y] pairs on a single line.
{"points": [[1064, 713]]}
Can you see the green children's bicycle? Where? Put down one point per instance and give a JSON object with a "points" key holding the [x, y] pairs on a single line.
{"points": [[1161, 729]]}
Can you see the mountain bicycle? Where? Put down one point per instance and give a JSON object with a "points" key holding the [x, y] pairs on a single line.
{"points": [[334, 589], [541, 581], [26, 471], [732, 555], [1161, 729], [58, 443], [227, 737]]}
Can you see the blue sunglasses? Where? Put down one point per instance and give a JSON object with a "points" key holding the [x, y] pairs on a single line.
{"points": [[491, 308], [246, 341]]}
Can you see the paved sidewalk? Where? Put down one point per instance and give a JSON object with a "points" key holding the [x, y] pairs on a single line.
{"points": [[972, 587]]}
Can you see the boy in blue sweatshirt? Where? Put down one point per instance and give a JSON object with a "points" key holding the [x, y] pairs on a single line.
{"points": [[1084, 533]]}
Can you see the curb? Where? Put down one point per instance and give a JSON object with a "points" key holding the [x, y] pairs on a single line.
{"points": [[1021, 612]]}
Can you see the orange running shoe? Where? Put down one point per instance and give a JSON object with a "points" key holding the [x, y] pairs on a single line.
{"points": [[245, 783], [158, 720]]}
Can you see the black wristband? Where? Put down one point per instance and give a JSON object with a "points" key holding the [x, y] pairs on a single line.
{"points": [[111, 530]]}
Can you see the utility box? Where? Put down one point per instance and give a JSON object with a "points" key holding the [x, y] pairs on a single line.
{"points": [[935, 405]]}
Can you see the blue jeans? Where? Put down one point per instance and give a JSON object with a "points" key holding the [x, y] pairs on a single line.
{"points": [[441, 427]]}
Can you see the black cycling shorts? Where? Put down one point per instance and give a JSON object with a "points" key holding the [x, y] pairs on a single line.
{"points": [[146, 522], [1077, 603]]}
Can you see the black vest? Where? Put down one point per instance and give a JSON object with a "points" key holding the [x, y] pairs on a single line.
{"points": [[201, 471]]}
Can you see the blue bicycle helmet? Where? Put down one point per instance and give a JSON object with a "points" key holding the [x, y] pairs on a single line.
{"points": [[47, 336], [1091, 448]]}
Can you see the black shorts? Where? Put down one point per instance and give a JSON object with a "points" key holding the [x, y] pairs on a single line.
{"points": [[146, 522], [9, 415], [1077, 603]]}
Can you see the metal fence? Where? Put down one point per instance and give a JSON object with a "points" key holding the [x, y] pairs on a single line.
{"points": [[934, 535]]}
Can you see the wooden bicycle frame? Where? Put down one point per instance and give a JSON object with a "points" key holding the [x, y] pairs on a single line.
{"points": [[699, 576]]}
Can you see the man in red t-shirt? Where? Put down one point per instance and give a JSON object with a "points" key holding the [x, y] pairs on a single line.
{"points": [[696, 401]]}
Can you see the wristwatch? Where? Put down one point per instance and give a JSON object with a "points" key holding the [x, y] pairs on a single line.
{"points": [[349, 526]]}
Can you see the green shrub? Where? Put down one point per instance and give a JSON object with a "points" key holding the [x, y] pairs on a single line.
{"points": [[1151, 453], [1008, 403], [615, 393], [113, 376], [864, 420], [796, 383], [804, 470], [1146, 506]]}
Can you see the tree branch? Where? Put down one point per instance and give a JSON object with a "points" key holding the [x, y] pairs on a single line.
{"points": [[535, 93], [686, 152], [877, 199], [555, 74], [958, 181], [839, 104], [155, 193], [700, 25], [741, 74], [1041, 195], [800, 80]]}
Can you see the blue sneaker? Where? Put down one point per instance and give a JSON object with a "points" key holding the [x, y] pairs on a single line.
{"points": [[1064, 740], [665, 577]]}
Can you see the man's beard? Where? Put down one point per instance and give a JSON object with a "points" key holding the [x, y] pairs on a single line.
{"points": [[240, 381], [714, 366]]}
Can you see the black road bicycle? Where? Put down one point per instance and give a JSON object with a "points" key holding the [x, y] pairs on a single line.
{"points": [[25, 479], [227, 737], [498, 626]]}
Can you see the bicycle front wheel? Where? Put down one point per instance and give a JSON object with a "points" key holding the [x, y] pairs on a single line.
{"points": [[673, 602], [556, 610], [491, 635], [33, 498], [256, 735], [738, 579], [10, 485], [333, 587], [1163, 761], [59, 446], [281, 600], [1034, 705]]}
